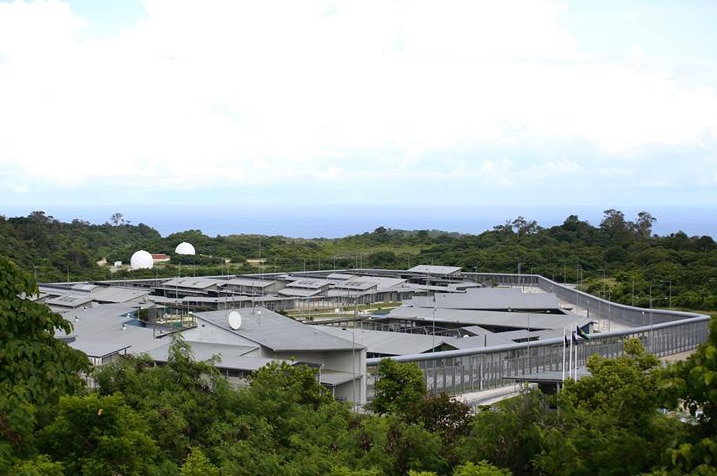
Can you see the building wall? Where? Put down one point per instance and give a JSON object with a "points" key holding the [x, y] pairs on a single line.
{"points": [[347, 361]]}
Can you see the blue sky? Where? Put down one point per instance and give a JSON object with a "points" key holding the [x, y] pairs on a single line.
{"points": [[324, 118]]}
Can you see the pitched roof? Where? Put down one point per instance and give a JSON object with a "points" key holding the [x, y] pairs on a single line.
{"points": [[517, 320], [299, 292], [434, 270], [191, 283], [93, 327], [386, 343], [276, 332], [230, 356], [98, 349], [487, 299], [309, 283], [250, 282]]}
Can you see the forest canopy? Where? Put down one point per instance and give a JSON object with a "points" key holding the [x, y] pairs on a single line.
{"points": [[630, 416], [619, 258]]}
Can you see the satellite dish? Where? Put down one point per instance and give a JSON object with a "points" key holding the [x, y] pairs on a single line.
{"points": [[234, 320]]}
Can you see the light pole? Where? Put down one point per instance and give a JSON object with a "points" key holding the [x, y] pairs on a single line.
{"points": [[604, 292], [577, 274], [433, 330], [633, 291], [530, 363], [650, 342], [670, 295], [519, 263]]}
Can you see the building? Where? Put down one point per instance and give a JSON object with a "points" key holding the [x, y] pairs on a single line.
{"points": [[441, 311]]}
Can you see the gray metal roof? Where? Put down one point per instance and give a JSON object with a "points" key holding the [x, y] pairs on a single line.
{"points": [[424, 287], [98, 349], [69, 301], [398, 343], [334, 378], [355, 285], [482, 337], [434, 270], [489, 298], [276, 332], [250, 282], [220, 299], [386, 343], [471, 342], [192, 283], [117, 294], [309, 283], [109, 323], [299, 292], [517, 320], [82, 294], [83, 287], [368, 282], [231, 356]]}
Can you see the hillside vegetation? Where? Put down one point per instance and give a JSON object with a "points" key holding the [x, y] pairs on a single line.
{"points": [[619, 258], [184, 418]]}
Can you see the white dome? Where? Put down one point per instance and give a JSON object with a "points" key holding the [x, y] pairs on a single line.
{"points": [[184, 248], [142, 260]]}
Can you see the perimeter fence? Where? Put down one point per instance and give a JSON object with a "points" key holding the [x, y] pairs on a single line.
{"points": [[663, 332]]}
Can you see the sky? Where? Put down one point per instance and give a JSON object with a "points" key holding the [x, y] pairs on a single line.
{"points": [[328, 118]]}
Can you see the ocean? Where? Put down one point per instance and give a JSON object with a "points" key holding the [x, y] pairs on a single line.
{"points": [[337, 221]]}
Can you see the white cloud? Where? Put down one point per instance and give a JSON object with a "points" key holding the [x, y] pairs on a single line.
{"points": [[509, 29], [228, 91]]}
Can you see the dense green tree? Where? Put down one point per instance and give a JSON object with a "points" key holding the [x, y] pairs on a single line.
{"points": [[643, 225], [393, 446], [509, 434], [615, 226], [445, 417], [197, 464], [96, 435], [623, 387], [281, 383], [179, 401], [35, 367], [616, 405], [40, 466], [692, 385], [482, 468], [399, 387]]}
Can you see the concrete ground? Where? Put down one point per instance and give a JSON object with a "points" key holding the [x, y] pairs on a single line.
{"points": [[489, 397]]}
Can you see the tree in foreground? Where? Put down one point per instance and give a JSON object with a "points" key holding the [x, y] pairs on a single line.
{"points": [[509, 433], [35, 367], [95, 435], [692, 385], [399, 386], [608, 422], [482, 468]]}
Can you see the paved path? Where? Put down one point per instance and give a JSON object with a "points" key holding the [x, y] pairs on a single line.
{"points": [[489, 397]]}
